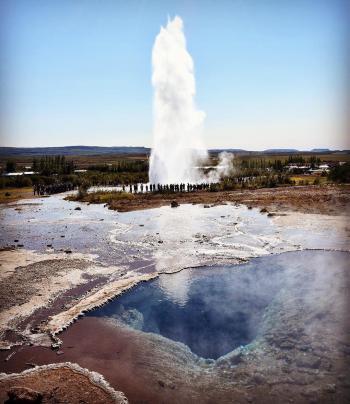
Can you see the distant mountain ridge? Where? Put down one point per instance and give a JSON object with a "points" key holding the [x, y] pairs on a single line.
{"points": [[129, 150], [72, 150]]}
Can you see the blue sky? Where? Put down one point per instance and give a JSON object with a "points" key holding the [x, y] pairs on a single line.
{"points": [[269, 73]]}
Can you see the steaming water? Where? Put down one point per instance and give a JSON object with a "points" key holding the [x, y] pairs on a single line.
{"points": [[177, 146], [220, 308]]}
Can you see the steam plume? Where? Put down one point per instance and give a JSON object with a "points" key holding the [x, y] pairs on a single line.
{"points": [[224, 167], [177, 147]]}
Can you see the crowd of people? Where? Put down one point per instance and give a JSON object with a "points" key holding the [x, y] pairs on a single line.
{"points": [[42, 189], [56, 188], [166, 188]]}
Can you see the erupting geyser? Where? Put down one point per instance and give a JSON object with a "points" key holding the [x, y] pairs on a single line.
{"points": [[177, 146]]}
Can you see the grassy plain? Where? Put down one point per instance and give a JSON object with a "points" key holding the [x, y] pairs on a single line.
{"points": [[102, 197], [14, 194], [83, 162]]}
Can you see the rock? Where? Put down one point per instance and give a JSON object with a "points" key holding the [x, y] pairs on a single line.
{"points": [[209, 362], [16, 241], [345, 349], [174, 204], [68, 251], [301, 379], [160, 241], [330, 388], [250, 207], [345, 384], [233, 358], [312, 394], [206, 206], [59, 353], [286, 345], [78, 208], [258, 378], [263, 210], [23, 395], [161, 383], [49, 245], [286, 369], [20, 245], [308, 361], [314, 400], [31, 365]]}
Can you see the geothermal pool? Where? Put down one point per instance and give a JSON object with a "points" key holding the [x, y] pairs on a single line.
{"points": [[214, 310]]}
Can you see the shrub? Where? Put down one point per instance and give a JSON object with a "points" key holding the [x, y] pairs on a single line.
{"points": [[340, 173]]}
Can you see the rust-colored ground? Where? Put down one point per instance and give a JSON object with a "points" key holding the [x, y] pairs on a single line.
{"points": [[331, 199], [63, 384]]}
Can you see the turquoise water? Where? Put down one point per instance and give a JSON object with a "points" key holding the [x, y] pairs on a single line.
{"points": [[214, 310]]}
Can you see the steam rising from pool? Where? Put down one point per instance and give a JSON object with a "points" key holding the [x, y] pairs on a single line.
{"points": [[177, 148]]}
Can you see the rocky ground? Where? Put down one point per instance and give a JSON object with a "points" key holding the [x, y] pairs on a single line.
{"points": [[39, 286], [43, 293]]}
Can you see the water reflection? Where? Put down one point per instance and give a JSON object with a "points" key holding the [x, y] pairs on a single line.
{"points": [[176, 229], [176, 287]]}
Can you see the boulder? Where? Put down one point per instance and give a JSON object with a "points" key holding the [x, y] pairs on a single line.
{"points": [[18, 394], [174, 204]]}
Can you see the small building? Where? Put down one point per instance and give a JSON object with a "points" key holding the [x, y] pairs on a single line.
{"points": [[16, 174]]}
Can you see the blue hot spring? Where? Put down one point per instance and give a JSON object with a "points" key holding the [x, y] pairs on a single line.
{"points": [[214, 310]]}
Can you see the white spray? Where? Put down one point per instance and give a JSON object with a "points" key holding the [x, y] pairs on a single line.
{"points": [[177, 147]]}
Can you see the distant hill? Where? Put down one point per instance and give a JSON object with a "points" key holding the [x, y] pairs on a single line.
{"points": [[71, 150], [278, 151], [234, 151], [131, 150], [320, 150]]}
